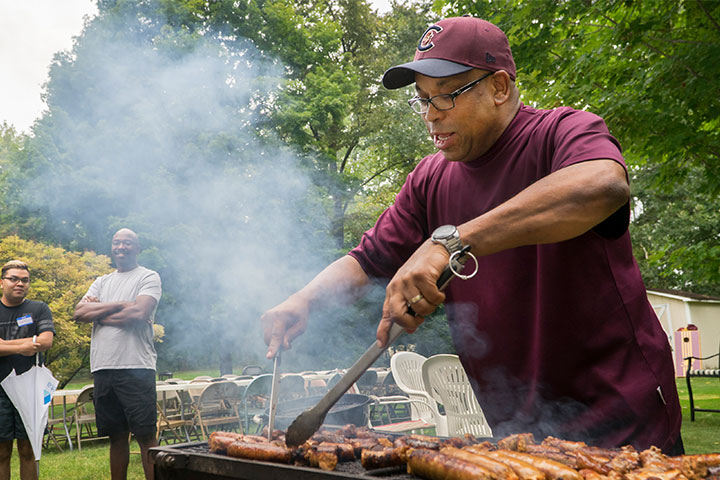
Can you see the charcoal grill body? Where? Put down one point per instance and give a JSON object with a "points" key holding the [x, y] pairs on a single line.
{"points": [[193, 461]]}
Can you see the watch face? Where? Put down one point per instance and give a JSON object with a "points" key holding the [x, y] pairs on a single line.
{"points": [[446, 231]]}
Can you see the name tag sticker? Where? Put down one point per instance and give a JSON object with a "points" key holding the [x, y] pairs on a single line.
{"points": [[25, 320]]}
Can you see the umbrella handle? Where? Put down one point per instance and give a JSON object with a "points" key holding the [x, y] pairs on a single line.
{"points": [[37, 354]]}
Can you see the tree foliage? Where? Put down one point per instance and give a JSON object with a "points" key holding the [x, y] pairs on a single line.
{"points": [[650, 70], [59, 278], [234, 160]]}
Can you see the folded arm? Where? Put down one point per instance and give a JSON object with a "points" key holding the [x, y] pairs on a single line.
{"points": [[90, 310], [26, 346]]}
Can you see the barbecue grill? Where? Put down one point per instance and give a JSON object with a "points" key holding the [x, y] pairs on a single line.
{"points": [[193, 461]]}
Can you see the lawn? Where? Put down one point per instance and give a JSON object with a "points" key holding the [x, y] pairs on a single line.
{"points": [[92, 463]]}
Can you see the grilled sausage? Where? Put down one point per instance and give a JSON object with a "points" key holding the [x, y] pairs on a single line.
{"points": [[387, 457], [265, 452], [325, 458], [552, 469], [495, 469], [432, 465], [218, 442], [517, 442], [523, 469], [344, 451]]}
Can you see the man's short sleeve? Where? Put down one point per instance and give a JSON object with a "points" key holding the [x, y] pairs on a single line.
{"points": [[94, 290], [151, 285], [44, 320]]}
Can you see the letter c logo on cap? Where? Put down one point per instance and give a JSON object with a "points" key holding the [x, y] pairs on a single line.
{"points": [[426, 41]]}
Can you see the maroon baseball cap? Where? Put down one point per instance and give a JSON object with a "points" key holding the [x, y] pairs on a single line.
{"points": [[455, 45]]}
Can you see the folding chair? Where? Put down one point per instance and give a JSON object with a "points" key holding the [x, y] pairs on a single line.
{"points": [[84, 417], [446, 380], [291, 386], [217, 406], [255, 401], [174, 416], [252, 370]]}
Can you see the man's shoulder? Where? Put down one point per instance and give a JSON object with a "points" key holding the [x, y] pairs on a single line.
{"points": [[557, 114], [35, 304], [138, 271]]}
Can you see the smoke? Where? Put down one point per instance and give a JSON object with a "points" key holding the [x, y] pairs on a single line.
{"points": [[158, 134]]}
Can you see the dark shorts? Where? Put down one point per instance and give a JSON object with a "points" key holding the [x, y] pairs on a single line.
{"points": [[11, 425], [125, 401]]}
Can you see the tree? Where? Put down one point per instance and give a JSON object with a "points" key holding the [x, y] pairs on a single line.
{"points": [[59, 278], [675, 233], [650, 70]]}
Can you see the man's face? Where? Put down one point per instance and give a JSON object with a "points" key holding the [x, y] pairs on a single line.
{"points": [[470, 128], [125, 248], [15, 285]]}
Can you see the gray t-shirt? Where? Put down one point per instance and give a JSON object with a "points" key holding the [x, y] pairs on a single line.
{"points": [[130, 346]]}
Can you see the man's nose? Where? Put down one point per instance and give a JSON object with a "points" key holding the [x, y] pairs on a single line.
{"points": [[432, 113]]}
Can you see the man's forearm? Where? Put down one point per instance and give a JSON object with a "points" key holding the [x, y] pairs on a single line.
{"points": [[90, 312], [558, 207], [141, 310], [343, 281]]}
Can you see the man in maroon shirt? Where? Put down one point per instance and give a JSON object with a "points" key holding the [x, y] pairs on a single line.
{"points": [[555, 331]]}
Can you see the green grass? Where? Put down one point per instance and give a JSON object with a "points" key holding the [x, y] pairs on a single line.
{"points": [[702, 435], [92, 463]]}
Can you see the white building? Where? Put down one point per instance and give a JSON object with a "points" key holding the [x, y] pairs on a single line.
{"points": [[677, 309]]}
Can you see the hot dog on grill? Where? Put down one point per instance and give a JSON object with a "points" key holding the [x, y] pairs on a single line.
{"points": [[552, 469], [495, 469], [384, 458], [433, 465], [523, 469], [265, 452]]}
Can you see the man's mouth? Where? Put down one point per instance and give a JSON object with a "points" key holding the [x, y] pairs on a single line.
{"points": [[442, 140]]}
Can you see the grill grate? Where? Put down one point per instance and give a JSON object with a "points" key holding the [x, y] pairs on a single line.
{"points": [[190, 461]]}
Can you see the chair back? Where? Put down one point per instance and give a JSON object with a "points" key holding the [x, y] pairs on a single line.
{"points": [[291, 387], [85, 395], [252, 370], [255, 399], [367, 382], [221, 395], [406, 368], [448, 383]]}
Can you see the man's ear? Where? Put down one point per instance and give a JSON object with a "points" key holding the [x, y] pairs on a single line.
{"points": [[502, 87]]}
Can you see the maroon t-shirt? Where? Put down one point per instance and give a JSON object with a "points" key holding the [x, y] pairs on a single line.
{"points": [[557, 339]]}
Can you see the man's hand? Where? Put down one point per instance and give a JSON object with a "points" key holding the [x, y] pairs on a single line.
{"points": [[28, 348], [415, 283], [88, 299], [284, 323]]}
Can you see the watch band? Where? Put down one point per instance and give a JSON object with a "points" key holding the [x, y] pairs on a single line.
{"points": [[448, 237]]}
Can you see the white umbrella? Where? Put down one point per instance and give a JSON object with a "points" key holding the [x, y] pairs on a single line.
{"points": [[31, 393]]}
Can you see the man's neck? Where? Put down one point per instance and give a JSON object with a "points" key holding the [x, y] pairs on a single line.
{"points": [[126, 268], [8, 303]]}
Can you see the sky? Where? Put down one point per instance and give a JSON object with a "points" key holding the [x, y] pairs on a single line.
{"points": [[31, 32]]}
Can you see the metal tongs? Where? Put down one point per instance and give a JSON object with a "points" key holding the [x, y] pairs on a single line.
{"points": [[308, 422]]}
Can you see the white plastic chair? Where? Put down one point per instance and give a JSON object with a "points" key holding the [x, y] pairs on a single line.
{"points": [[406, 368], [448, 383]]}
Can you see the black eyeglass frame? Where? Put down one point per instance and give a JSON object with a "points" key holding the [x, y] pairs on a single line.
{"points": [[14, 280], [425, 102]]}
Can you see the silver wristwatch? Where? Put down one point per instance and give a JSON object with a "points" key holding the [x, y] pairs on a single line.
{"points": [[447, 236]]}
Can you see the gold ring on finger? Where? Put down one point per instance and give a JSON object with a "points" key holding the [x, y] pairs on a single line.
{"points": [[415, 299]]}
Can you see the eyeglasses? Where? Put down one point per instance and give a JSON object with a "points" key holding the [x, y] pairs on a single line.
{"points": [[24, 281], [443, 102]]}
